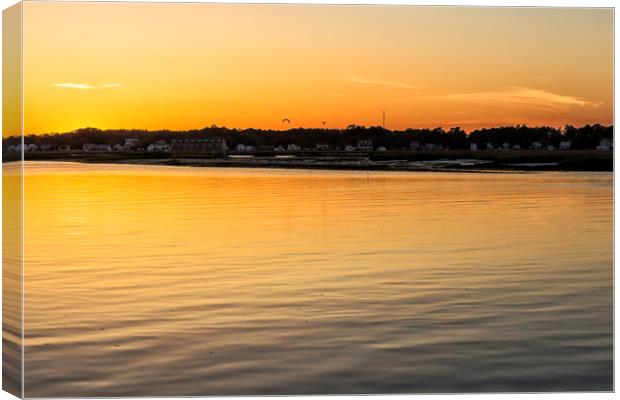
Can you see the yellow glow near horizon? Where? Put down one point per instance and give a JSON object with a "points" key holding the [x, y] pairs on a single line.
{"points": [[185, 66]]}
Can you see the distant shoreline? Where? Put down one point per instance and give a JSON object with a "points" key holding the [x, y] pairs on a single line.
{"points": [[443, 161]]}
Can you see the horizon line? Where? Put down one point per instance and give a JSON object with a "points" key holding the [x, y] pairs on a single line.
{"points": [[445, 129]]}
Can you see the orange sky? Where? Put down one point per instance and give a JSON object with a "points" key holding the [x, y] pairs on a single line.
{"points": [[184, 66]]}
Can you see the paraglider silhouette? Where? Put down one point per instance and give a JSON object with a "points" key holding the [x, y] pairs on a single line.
{"points": [[286, 120], [323, 122]]}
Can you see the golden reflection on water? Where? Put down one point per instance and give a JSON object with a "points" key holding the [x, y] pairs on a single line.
{"points": [[196, 281], [12, 277]]}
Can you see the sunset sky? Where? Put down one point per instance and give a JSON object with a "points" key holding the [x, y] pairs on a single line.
{"points": [[185, 66]]}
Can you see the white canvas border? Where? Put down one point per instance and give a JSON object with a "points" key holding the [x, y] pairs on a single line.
{"points": [[475, 3]]}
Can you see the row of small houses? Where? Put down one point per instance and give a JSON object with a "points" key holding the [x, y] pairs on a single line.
{"points": [[604, 145], [130, 145], [220, 146], [362, 145], [185, 145], [564, 145]]}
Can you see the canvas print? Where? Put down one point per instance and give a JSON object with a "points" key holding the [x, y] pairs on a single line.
{"points": [[205, 199]]}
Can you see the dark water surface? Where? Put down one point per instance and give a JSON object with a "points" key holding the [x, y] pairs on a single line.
{"points": [[198, 281]]}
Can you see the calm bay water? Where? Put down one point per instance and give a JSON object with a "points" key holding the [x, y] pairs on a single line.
{"points": [[197, 281]]}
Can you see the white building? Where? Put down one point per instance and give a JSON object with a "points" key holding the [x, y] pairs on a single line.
{"points": [[505, 145], [131, 144], [565, 145], [605, 145], [245, 147], [349, 148], [381, 148], [516, 147], [118, 147], [415, 145], [31, 147], [293, 147], [64, 147], [473, 146], [160, 145], [279, 149], [322, 147], [364, 145], [536, 146]]}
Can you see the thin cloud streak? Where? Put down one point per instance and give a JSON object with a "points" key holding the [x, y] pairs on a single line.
{"points": [[365, 81], [71, 85], [523, 95], [85, 86]]}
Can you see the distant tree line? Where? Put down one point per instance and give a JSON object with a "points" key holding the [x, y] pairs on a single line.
{"points": [[585, 137]]}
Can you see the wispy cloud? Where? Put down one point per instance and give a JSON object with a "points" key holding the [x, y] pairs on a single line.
{"points": [[71, 85], [85, 86], [536, 98], [365, 81]]}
